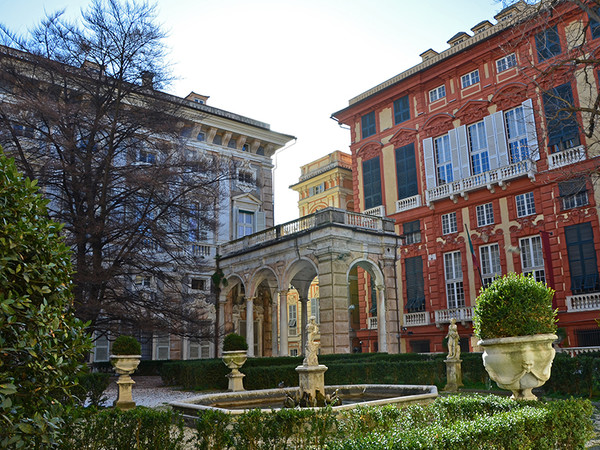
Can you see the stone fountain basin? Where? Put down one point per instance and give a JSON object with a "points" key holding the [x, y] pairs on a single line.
{"points": [[268, 400]]}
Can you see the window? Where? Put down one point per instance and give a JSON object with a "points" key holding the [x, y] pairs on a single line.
{"points": [[469, 79], [198, 350], [443, 159], [437, 93], [201, 136], [490, 263], [368, 124], [485, 214], [143, 280], [401, 110], [415, 287], [245, 223], [422, 346], [406, 171], [316, 189], [163, 346], [195, 231], [582, 258], [480, 161], [455, 293], [293, 352], [232, 143], [449, 224], [218, 139], [506, 63], [573, 193], [547, 44], [532, 257], [315, 309], [198, 284], [146, 157], [412, 232], [372, 183], [525, 204], [517, 134], [293, 319], [595, 26], [563, 131], [23, 130], [101, 348]]}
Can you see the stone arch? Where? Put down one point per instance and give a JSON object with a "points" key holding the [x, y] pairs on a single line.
{"points": [[356, 288]]}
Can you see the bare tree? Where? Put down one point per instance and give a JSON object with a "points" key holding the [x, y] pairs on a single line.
{"points": [[558, 51], [81, 113]]}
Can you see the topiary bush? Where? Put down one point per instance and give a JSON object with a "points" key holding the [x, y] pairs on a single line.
{"points": [[126, 345], [514, 305], [42, 344], [233, 342]]}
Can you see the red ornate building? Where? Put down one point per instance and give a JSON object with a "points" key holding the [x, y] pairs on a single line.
{"points": [[479, 154]]}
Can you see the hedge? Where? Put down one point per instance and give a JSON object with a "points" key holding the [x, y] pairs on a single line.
{"points": [[115, 429], [453, 422]]}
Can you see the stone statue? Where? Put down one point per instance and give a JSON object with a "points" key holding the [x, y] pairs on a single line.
{"points": [[312, 346], [453, 341]]}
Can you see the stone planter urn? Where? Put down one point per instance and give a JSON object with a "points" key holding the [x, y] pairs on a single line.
{"points": [[125, 365], [234, 360], [519, 363]]}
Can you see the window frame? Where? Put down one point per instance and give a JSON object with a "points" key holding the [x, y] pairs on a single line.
{"points": [[455, 293], [491, 261], [450, 224], [372, 192], [437, 93], [532, 257], [293, 319], [516, 134], [542, 39], [469, 79], [401, 111], [525, 204], [485, 214], [507, 62], [479, 157], [247, 226], [412, 232], [368, 125], [406, 171], [446, 165]]}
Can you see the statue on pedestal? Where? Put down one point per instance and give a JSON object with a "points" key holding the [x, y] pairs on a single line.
{"points": [[453, 341], [312, 346]]}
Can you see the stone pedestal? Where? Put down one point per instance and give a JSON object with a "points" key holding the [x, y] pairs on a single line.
{"points": [[453, 375], [312, 379], [124, 398], [236, 380]]}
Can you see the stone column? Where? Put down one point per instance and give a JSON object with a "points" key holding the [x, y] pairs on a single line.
{"points": [[274, 334], [222, 302], [304, 319], [250, 325], [381, 319], [283, 323]]}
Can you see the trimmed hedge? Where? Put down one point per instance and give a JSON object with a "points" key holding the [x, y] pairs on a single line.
{"points": [[115, 429], [457, 422]]}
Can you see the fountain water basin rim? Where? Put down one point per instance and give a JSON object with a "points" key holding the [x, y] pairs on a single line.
{"points": [[264, 399]]}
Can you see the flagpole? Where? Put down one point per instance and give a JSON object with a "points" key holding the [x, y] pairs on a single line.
{"points": [[473, 256]]}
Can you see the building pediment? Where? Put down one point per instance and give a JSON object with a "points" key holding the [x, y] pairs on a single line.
{"points": [[369, 149], [403, 136], [438, 124], [472, 111], [510, 95]]}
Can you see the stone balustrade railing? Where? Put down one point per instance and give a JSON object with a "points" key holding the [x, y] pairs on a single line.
{"points": [[574, 351], [405, 204], [372, 323], [320, 218], [583, 302], [460, 314], [416, 319], [566, 157], [378, 211], [487, 179]]}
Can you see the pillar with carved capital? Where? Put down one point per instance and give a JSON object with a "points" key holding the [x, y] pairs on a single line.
{"points": [[304, 320], [283, 323], [381, 319], [274, 346], [250, 325]]}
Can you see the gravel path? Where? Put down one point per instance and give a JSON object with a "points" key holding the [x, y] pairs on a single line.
{"points": [[149, 391]]}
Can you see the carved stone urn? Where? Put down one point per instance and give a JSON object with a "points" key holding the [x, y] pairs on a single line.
{"points": [[125, 365], [234, 360], [519, 363]]}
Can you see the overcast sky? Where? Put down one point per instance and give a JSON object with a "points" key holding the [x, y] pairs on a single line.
{"points": [[290, 63]]}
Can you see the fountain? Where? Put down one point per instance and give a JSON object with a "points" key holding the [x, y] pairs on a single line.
{"points": [[311, 392]]}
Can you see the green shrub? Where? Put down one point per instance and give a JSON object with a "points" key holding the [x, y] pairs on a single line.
{"points": [[115, 429], [233, 342], [126, 345], [514, 305], [93, 386], [42, 344]]}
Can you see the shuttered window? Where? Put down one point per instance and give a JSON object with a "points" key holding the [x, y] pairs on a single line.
{"points": [[561, 121], [547, 43], [406, 171], [582, 258], [415, 287], [368, 124], [401, 110], [372, 183]]}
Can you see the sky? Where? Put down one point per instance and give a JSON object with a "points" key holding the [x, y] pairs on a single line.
{"points": [[289, 63]]}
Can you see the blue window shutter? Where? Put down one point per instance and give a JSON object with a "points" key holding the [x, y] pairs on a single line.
{"points": [[401, 110], [455, 155], [406, 171], [371, 183], [463, 148], [532, 140], [490, 135], [368, 124], [501, 142], [430, 177]]}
